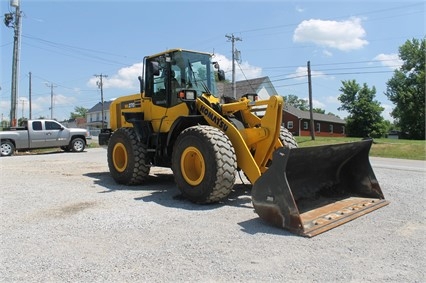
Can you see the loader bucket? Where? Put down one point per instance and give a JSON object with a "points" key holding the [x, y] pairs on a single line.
{"points": [[314, 189]]}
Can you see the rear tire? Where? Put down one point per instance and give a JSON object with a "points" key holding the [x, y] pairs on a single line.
{"points": [[204, 164], [7, 148], [126, 157]]}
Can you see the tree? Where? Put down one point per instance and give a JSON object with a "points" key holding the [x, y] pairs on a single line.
{"points": [[301, 104], [318, 110], [296, 102], [79, 111], [406, 89], [364, 118]]}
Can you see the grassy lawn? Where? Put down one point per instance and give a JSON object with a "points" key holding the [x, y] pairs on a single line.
{"points": [[390, 148]]}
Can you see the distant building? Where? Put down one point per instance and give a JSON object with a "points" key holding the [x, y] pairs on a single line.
{"points": [[261, 86], [79, 122], [94, 117], [298, 123]]}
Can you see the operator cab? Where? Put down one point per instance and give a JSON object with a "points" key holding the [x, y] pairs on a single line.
{"points": [[173, 76]]}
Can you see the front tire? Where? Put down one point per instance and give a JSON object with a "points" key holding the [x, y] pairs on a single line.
{"points": [[7, 148], [287, 138], [204, 164], [77, 145], [126, 158]]}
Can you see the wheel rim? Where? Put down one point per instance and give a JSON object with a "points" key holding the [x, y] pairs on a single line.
{"points": [[119, 157], [192, 166], [6, 149], [78, 146]]}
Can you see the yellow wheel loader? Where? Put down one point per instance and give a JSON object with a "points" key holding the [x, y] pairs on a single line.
{"points": [[177, 121]]}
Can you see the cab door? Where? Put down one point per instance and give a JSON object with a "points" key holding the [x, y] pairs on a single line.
{"points": [[56, 134], [37, 136]]}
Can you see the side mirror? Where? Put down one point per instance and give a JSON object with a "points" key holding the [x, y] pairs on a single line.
{"points": [[221, 75], [141, 83]]}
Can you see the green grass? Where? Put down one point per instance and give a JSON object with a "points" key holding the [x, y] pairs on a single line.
{"points": [[389, 148]]}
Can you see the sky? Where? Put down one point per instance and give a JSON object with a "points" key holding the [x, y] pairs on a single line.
{"points": [[64, 44]]}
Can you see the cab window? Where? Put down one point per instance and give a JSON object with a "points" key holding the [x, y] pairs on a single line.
{"points": [[52, 126], [37, 126]]}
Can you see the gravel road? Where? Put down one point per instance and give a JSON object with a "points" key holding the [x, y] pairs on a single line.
{"points": [[63, 219]]}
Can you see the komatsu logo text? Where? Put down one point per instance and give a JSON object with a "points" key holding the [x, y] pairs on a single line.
{"points": [[214, 118]]}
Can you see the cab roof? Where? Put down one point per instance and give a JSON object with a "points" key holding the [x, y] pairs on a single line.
{"points": [[177, 50]]}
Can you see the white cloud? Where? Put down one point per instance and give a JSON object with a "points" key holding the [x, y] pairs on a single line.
{"points": [[327, 53], [389, 60], [342, 35], [301, 73], [125, 78], [250, 71], [317, 104], [332, 99]]}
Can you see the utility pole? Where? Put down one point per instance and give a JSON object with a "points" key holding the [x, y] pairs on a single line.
{"points": [[100, 85], [232, 38], [29, 96], [8, 21], [311, 112], [51, 85]]}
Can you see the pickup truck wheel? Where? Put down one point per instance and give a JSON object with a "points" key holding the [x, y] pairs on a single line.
{"points": [[127, 158], [77, 145], [7, 148], [204, 164]]}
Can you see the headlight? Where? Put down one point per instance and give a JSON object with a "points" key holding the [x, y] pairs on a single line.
{"points": [[187, 94], [190, 95]]}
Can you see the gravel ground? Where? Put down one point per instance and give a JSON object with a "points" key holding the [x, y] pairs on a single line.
{"points": [[63, 219]]}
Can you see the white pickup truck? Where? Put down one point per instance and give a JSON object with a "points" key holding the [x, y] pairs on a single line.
{"points": [[42, 134]]}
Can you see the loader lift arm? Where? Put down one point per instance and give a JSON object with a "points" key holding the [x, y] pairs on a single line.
{"points": [[260, 137]]}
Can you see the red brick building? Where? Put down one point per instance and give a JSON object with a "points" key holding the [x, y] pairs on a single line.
{"points": [[298, 123]]}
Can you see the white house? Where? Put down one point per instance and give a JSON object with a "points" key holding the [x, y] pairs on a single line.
{"points": [[94, 117]]}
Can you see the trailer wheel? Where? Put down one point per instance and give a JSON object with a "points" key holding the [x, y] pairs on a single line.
{"points": [[287, 138], [126, 158], [7, 148], [204, 164]]}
